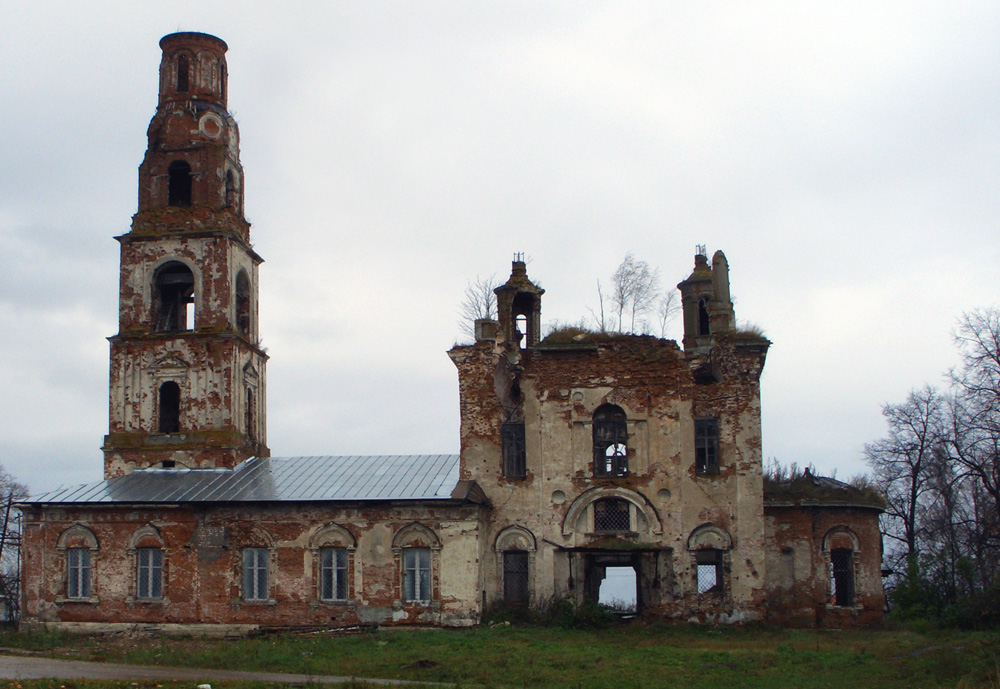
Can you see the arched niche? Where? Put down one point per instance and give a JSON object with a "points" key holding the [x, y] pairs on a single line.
{"points": [[147, 536], [841, 538], [332, 536], [515, 538], [709, 537], [77, 536], [415, 535], [580, 506]]}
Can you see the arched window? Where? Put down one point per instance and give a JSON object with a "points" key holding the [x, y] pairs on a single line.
{"points": [[610, 441], [170, 407], [179, 184], [841, 546], [174, 297], [78, 546], [704, 327], [243, 302], [417, 551], [709, 546], [182, 73], [515, 550]]}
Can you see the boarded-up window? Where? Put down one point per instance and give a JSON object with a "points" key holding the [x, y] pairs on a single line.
{"points": [[514, 461], [515, 577]]}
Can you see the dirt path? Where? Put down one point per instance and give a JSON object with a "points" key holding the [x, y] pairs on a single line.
{"points": [[20, 667]]}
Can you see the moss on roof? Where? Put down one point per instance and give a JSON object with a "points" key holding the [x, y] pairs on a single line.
{"points": [[807, 488]]}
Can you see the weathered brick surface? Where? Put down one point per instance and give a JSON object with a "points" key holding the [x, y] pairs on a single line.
{"points": [[798, 572], [203, 564]]}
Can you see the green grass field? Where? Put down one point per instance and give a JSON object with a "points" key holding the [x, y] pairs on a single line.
{"points": [[635, 655]]}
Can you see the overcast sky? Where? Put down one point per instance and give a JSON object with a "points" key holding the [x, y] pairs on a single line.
{"points": [[845, 156]]}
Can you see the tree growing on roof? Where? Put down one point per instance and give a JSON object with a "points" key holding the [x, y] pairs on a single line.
{"points": [[478, 301]]}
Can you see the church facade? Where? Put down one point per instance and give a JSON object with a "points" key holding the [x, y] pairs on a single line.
{"points": [[580, 453]]}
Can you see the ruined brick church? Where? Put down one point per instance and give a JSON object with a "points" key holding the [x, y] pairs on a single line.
{"points": [[580, 452]]}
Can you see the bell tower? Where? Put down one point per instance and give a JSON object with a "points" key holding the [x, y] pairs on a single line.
{"points": [[187, 386]]}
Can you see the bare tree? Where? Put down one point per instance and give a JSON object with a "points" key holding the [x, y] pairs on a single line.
{"points": [[634, 286], [10, 543], [666, 308], [976, 418], [903, 461], [598, 316], [479, 301]]}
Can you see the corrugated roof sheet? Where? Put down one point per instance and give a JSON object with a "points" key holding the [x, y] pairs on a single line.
{"points": [[277, 479]]}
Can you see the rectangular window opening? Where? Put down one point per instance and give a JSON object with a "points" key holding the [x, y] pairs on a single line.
{"points": [[710, 572], [417, 575], [255, 574], [149, 565], [514, 457], [706, 446], [842, 576], [333, 574], [515, 577], [78, 562]]}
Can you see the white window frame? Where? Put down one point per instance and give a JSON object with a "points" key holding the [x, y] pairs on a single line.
{"points": [[149, 573], [256, 574], [417, 575]]}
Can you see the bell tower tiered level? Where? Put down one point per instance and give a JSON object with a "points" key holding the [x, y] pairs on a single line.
{"points": [[187, 370]]}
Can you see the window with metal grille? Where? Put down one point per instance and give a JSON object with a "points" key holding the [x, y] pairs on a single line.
{"points": [[417, 575], [512, 437], [706, 446], [255, 574], [333, 574], [710, 573], [149, 571], [842, 576], [515, 577], [78, 566], [612, 514], [610, 441]]}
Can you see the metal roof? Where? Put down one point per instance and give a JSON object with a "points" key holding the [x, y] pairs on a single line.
{"points": [[277, 479]]}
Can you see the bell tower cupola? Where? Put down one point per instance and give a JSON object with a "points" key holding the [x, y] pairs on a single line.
{"points": [[187, 370], [519, 307], [707, 306]]}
